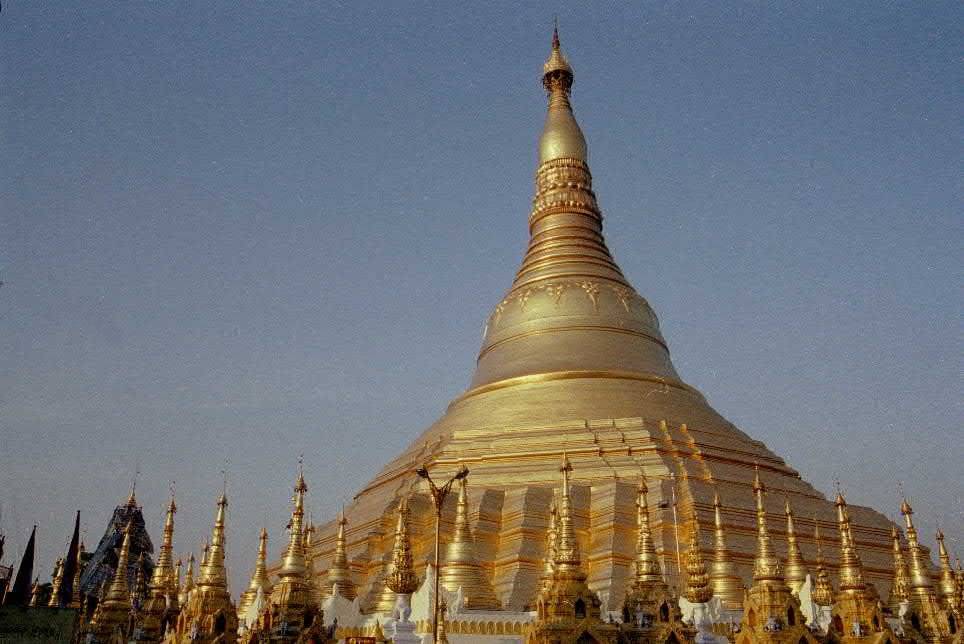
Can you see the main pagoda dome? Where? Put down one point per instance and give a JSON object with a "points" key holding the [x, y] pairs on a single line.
{"points": [[573, 362]]}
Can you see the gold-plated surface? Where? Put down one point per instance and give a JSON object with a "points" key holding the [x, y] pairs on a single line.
{"points": [[209, 614], [339, 580], [795, 569], [573, 360], [259, 578], [567, 610], [822, 587], [727, 585], [771, 613], [948, 582], [161, 606], [932, 622], [461, 566], [113, 610], [55, 582], [856, 611], [900, 586], [698, 589], [291, 596], [402, 579]]}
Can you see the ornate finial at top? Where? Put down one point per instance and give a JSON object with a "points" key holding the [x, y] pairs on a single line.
{"points": [[561, 136]]}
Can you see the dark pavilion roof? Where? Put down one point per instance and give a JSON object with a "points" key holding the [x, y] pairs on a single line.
{"points": [[103, 561]]}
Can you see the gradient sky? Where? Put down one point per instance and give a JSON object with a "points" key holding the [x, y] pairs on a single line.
{"points": [[236, 232]]}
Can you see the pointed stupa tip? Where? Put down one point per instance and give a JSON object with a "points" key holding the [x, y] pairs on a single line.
{"points": [[561, 136], [556, 63]]}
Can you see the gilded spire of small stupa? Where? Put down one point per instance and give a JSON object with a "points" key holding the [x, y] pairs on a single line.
{"points": [[567, 550], [461, 564], [213, 573], [56, 580], [35, 593], [648, 570], [401, 573], [822, 589], [900, 588], [113, 610], [314, 591], [851, 570], [76, 598], [188, 581], [259, 578], [949, 591], [177, 576], [162, 581], [727, 584], [795, 570], [766, 565], [293, 563], [339, 574], [552, 541], [919, 564], [698, 588]]}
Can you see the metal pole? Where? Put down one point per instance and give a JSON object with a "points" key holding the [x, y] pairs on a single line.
{"points": [[438, 568], [679, 569]]}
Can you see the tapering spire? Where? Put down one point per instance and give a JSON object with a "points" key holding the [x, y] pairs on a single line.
{"points": [[162, 580], [259, 578], [339, 574], [293, 564], [212, 572], [462, 568], [567, 551], [727, 584], [851, 570], [69, 575], [56, 580], [188, 586], [698, 588], [823, 589], [21, 593], [118, 593], [766, 565], [569, 292], [900, 588], [76, 599], [920, 580], [552, 543], [949, 591], [35, 594], [796, 569], [401, 573], [561, 137], [648, 570]]}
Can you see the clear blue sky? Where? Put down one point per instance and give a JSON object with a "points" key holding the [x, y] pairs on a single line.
{"points": [[238, 231]]}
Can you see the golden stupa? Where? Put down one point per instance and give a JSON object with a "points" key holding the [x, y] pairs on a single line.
{"points": [[573, 362]]}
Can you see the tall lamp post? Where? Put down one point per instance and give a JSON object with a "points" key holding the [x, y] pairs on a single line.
{"points": [[438, 499]]}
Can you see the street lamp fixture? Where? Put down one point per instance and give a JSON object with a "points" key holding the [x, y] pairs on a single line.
{"points": [[438, 500]]}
